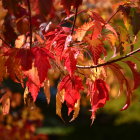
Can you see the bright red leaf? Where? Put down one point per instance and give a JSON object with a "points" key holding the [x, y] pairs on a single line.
{"points": [[41, 61], [72, 86], [33, 89], [98, 92], [70, 60]]}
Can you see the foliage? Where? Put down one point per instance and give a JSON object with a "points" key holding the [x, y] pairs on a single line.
{"points": [[38, 37]]}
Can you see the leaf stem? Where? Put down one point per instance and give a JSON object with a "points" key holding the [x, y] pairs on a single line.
{"points": [[30, 20], [75, 17], [109, 62]]}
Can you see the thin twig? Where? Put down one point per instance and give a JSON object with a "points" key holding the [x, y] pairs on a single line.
{"points": [[30, 20], [112, 15], [109, 62], [73, 26], [5, 42]]}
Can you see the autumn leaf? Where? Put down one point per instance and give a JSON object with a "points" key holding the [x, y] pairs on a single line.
{"points": [[26, 92], [131, 17], [96, 48], [97, 28], [26, 58], [69, 57], [98, 92], [47, 90], [12, 64], [33, 89], [59, 101], [33, 83], [136, 74], [68, 3], [116, 69], [76, 111], [41, 61], [43, 7], [97, 17], [81, 31], [110, 28], [72, 86], [59, 37]]}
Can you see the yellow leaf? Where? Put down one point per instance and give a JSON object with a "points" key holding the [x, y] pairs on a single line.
{"points": [[112, 39], [76, 111], [26, 92], [20, 41], [59, 101], [81, 31], [47, 90]]}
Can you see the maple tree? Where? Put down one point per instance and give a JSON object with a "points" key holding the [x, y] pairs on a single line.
{"points": [[36, 40]]}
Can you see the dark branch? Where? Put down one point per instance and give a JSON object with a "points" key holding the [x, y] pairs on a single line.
{"points": [[6, 43], [109, 62], [73, 26], [30, 20]]}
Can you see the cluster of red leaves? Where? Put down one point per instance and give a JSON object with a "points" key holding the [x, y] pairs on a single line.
{"points": [[58, 45]]}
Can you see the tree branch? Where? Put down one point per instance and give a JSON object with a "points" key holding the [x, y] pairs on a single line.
{"points": [[76, 12], [112, 15], [109, 62], [30, 20], [6, 43]]}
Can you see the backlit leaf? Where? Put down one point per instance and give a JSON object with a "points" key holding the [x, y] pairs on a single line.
{"points": [[41, 61], [98, 92], [59, 101], [136, 74], [116, 69], [47, 90], [81, 31]]}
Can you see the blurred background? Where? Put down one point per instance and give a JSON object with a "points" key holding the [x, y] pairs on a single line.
{"points": [[38, 121]]}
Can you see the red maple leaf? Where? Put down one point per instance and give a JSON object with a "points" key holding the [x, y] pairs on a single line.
{"points": [[33, 89], [56, 41], [96, 48], [72, 86], [97, 29], [41, 61], [33, 82], [98, 92], [69, 57]]}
